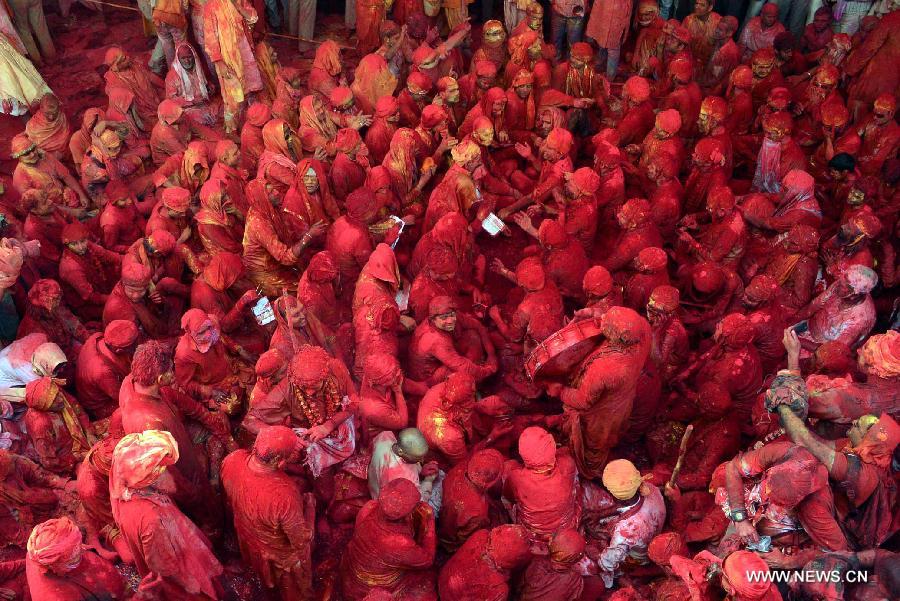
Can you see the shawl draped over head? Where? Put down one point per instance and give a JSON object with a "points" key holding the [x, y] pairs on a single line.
{"points": [[55, 542], [51, 135], [400, 162], [223, 270], [40, 395], [308, 118], [537, 448], [328, 58], [881, 354], [878, 443], [139, 459], [193, 83]]}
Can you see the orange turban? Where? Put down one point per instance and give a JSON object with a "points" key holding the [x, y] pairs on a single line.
{"points": [[881, 354], [560, 140], [622, 479], [736, 569]]}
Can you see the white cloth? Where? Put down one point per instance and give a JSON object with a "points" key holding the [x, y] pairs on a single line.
{"points": [[20, 83], [631, 536], [16, 369]]}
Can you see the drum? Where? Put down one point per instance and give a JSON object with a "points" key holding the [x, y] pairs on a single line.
{"points": [[563, 350]]}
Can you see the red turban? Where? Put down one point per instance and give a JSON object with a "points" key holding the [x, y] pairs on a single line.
{"points": [[708, 278], [634, 212], [585, 181], [581, 51], [269, 363], [680, 33], [309, 366], [624, 326], [484, 468], [258, 114], [762, 288], [41, 393], [74, 232], [169, 111], [681, 70], [715, 106], [537, 449], [714, 401], [834, 113], [55, 542], [361, 204], [347, 140], [886, 102], [736, 331], [720, 198], [742, 77], [560, 140], [21, 144], [120, 334], [274, 443], [740, 564], [664, 546], [779, 98], [778, 122], [509, 546], [386, 106], [398, 498], [665, 299], [163, 242], [881, 354], [523, 78], [651, 259], [597, 282], [418, 82], [432, 116], [44, 292], [567, 547], [530, 274], [710, 151], [340, 96], [608, 155], [322, 267], [135, 274], [176, 199], [637, 89], [551, 234], [381, 369], [485, 69], [668, 121], [223, 270]]}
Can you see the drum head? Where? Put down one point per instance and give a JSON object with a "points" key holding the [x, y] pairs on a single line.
{"points": [[563, 350]]}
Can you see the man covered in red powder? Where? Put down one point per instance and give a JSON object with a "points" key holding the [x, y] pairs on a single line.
{"points": [[601, 393], [273, 518], [393, 546], [87, 272], [481, 569], [104, 361], [468, 504], [173, 557]]}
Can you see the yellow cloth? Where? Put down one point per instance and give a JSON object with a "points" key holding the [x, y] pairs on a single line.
{"points": [[621, 479]]}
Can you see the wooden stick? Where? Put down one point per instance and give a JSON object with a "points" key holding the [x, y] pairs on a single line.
{"points": [[682, 451]]}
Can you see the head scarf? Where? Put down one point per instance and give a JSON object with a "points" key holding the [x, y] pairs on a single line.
{"points": [[308, 118], [269, 363], [259, 114], [328, 58], [881, 354], [739, 564], [101, 454], [21, 145], [398, 499], [52, 135], [530, 274], [382, 266], [465, 152], [741, 79], [484, 468], [347, 140], [169, 111], [381, 369], [878, 443], [322, 267], [509, 546], [139, 459], [223, 270], [400, 161], [193, 83], [537, 448], [176, 199], [362, 205], [584, 181], [622, 479], [861, 279], [46, 358], [664, 546], [651, 259], [735, 331], [665, 299], [195, 320], [54, 542]]}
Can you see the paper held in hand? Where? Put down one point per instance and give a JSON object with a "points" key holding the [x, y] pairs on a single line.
{"points": [[263, 311], [402, 224], [402, 299], [492, 224]]}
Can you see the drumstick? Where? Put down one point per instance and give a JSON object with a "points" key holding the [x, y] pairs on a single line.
{"points": [[682, 450]]}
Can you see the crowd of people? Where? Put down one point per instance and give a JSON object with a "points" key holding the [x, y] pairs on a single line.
{"points": [[602, 311]]}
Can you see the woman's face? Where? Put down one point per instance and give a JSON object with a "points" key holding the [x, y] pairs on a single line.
{"points": [[311, 182]]}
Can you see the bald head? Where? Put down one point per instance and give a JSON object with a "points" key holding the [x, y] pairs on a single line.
{"points": [[411, 445]]}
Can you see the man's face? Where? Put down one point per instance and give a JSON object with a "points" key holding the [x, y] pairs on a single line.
{"points": [[722, 32], [134, 293], [52, 110], [856, 197], [122, 202], [545, 124], [205, 337], [474, 164], [702, 8], [785, 54], [78, 247], [312, 390], [882, 116], [311, 182], [821, 22], [114, 148], [451, 94], [646, 15], [187, 62], [705, 122], [653, 171], [761, 69], [319, 109], [578, 63], [417, 94], [429, 63], [494, 36], [524, 91], [231, 156], [768, 16], [536, 20], [856, 432], [484, 82], [774, 134], [445, 322], [673, 44]]}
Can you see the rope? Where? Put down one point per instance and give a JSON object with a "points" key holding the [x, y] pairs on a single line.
{"points": [[269, 34]]}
